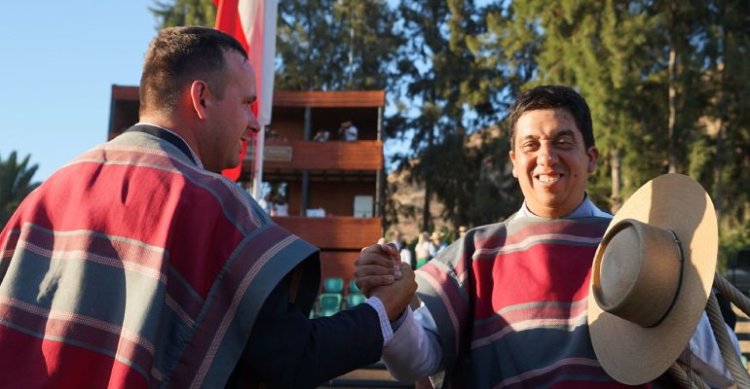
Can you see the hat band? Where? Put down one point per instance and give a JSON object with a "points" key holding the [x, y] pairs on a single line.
{"points": [[679, 280]]}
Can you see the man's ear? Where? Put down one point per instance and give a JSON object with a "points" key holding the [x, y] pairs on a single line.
{"points": [[512, 156], [593, 155], [198, 95]]}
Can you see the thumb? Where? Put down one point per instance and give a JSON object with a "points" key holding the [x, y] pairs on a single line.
{"points": [[381, 240]]}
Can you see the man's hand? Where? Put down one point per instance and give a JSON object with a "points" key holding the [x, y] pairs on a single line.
{"points": [[379, 272], [397, 296], [377, 265]]}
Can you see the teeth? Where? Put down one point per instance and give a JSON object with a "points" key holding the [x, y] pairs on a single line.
{"points": [[547, 179]]}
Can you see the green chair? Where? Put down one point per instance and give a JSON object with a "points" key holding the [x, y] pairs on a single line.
{"points": [[329, 304], [354, 299], [353, 288], [333, 285]]}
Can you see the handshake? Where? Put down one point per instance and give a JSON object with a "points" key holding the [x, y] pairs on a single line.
{"points": [[379, 272]]}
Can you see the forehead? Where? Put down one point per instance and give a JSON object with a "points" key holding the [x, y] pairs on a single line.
{"points": [[545, 123], [241, 71]]}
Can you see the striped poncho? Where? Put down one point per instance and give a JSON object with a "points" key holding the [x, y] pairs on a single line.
{"points": [[132, 267], [509, 301]]}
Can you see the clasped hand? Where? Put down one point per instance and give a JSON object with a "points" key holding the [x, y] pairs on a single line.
{"points": [[379, 272]]}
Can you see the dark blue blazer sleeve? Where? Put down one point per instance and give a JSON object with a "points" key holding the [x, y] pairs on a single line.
{"points": [[286, 349]]}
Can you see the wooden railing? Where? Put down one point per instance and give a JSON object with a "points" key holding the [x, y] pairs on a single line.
{"points": [[339, 238], [331, 155], [335, 232], [332, 99]]}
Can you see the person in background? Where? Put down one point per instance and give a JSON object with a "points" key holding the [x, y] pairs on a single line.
{"points": [[348, 132], [266, 203], [322, 135], [138, 265], [461, 231], [422, 249], [279, 207], [403, 249], [436, 244]]}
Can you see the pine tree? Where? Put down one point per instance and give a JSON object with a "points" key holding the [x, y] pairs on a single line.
{"points": [[335, 45], [184, 13], [724, 161], [445, 92]]}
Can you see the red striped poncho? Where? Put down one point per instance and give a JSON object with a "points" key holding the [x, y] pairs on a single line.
{"points": [[132, 267], [509, 301]]}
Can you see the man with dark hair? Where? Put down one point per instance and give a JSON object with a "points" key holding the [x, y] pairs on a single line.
{"points": [[505, 305], [138, 265], [553, 97]]}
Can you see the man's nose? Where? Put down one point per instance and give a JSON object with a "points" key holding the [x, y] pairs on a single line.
{"points": [[547, 155], [253, 125]]}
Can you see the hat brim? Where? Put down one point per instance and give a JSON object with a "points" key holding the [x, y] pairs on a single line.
{"points": [[633, 354]]}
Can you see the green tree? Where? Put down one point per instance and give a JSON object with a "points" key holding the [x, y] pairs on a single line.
{"points": [[726, 163], [321, 44], [335, 44], [15, 184], [600, 48], [640, 65], [446, 91], [665, 82], [184, 13]]}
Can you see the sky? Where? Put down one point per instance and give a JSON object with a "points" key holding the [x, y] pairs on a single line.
{"points": [[58, 62]]}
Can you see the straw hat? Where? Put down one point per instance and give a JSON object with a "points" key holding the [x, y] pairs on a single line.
{"points": [[651, 278]]}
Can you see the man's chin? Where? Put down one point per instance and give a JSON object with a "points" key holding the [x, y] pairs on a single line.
{"points": [[547, 207], [235, 163]]}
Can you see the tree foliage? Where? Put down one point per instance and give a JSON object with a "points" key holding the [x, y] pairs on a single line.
{"points": [[655, 74], [445, 91], [183, 13], [320, 45], [666, 81], [15, 184], [334, 44]]}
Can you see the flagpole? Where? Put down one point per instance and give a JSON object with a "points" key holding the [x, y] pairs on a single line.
{"points": [[264, 68], [260, 140], [253, 23]]}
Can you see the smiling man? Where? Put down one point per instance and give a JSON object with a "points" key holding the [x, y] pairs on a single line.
{"points": [[506, 304], [553, 156]]}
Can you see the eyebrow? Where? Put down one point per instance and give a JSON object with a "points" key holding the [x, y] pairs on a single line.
{"points": [[566, 132]]}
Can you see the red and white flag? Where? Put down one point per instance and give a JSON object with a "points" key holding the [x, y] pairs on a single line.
{"points": [[253, 24]]}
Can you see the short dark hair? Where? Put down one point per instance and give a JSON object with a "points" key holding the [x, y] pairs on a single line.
{"points": [[553, 97], [179, 55]]}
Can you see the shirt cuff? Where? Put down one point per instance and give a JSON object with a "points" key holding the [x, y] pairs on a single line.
{"points": [[395, 324], [385, 324]]}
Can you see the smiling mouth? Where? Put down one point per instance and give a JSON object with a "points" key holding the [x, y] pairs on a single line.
{"points": [[548, 178]]}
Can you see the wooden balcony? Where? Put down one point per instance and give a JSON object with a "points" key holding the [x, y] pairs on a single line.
{"points": [[335, 232], [332, 155], [336, 99], [339, 238]]}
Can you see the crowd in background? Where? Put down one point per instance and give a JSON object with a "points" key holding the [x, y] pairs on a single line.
{"points": [[425, 247]]}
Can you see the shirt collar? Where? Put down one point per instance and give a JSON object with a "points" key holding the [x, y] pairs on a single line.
{"points": [[195, 156], [586, 209]]}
